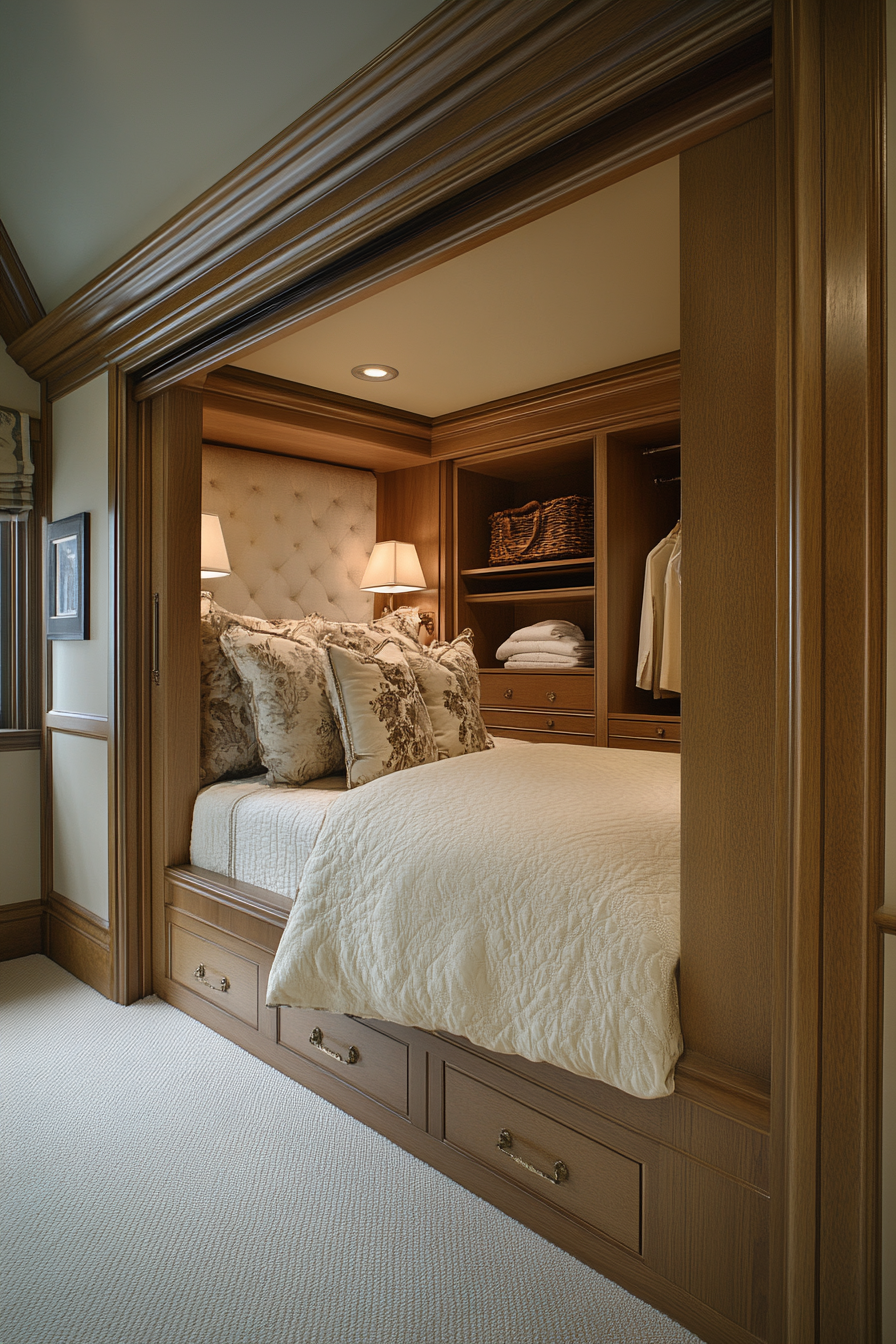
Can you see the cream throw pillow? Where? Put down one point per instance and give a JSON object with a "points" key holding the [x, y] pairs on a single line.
{"points": [[382, 718], [448, 678], [297, 735]]}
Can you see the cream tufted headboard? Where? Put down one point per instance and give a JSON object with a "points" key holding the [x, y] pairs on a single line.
{"points": [[298, 534]]}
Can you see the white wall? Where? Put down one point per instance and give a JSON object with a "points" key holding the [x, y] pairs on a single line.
{"points": [[80, 677], [19, 770]]}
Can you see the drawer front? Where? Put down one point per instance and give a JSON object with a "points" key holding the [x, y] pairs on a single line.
{"points": [[538, 721], [530, 735], [644, 744], [599, 1186], [537, 690], [224, 979], [666, 730], [374, 1063]]}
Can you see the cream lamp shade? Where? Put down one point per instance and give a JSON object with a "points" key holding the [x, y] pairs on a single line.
{"points": [[213, 561], [393, 567]]}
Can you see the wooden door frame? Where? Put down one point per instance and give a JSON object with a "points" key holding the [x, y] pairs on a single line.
{"points": [[829, 90]]}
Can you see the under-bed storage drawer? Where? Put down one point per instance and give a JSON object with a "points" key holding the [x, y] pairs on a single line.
{"points": [[367, 1059], [228, 981], [575, 1173]]}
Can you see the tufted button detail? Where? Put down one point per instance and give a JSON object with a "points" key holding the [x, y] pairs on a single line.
{"points": [[232, 514]]}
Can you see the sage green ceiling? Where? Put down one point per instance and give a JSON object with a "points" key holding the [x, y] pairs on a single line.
{"points": [[117, 113]]}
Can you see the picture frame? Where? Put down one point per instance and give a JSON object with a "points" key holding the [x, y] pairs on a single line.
{"points": [[68, 577]]}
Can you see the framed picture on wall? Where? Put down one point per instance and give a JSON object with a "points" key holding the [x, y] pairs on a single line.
{"points": [[68, 577]]}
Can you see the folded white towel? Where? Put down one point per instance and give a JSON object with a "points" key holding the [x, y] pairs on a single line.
{"points": [[569, 648], [549, 660], [551, 629]]}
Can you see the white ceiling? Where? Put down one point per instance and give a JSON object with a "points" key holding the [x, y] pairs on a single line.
{"points": [[116, 113], [591, 286]]}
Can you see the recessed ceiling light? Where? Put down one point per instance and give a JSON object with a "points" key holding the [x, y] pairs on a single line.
{"points": [[374, 373]]}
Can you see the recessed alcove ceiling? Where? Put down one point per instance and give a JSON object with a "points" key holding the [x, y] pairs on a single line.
{"points": [[591, 286]]}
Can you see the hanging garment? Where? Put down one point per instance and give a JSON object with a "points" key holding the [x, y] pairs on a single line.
{"points": [[653, 608], [670, 663]]}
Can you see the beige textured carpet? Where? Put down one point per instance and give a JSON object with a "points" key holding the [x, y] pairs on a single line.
{"points": [[160, 1186]]}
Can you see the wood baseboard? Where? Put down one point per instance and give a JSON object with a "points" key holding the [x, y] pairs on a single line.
{"points": [[79, 942], [21, 929]]}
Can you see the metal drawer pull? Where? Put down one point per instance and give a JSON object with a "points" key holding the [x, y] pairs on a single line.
{"points": [[552, 696], [561, 1170], [199, 974], [661, 732], [550, 723], [508, 695], [317, 1040]]}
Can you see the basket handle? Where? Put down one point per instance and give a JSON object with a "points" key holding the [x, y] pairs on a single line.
{"points": [[536, 528]]}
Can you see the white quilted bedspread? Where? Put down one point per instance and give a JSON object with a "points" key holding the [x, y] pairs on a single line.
{"points": [[526, 900]]}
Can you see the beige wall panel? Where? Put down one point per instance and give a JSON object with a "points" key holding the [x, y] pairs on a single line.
{"points": [[20, 826], [81, 484], [80, 821], [16, 388]]}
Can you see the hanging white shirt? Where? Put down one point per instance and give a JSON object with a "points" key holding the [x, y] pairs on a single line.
{"points": [[653, 607]]}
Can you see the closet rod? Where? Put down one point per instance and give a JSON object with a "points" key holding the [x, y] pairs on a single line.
{"points": [[665, 480], [666, 448]]}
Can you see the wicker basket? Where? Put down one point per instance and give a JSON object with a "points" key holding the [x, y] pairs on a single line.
{"points": [[561, 529]]}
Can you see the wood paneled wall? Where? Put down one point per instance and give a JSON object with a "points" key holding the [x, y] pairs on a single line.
{"points": [[728, 616]]}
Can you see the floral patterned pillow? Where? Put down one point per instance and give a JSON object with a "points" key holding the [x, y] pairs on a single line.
{"points": [[228, 745], [383, 721], [448, 678], [298, 739], [401, 627]]}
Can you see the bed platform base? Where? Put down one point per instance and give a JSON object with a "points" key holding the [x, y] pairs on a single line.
{"points": [[668, 1198]]}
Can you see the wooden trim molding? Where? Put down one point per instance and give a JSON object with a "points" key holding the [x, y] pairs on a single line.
{"points": [[19, 739], [84, 725], [20, 307], [80, 942], [243, 409], [478, 86], [21, 929], [825, 1232], [578, 406]]}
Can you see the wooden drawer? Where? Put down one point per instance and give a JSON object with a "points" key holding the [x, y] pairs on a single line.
{"points": [[644, 725], [644, 744], [530, 735], [538, 721], [228, 981], [600, 1186], [369, 1060], [538, 690]]}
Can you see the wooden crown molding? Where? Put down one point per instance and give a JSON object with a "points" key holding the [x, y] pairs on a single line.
{"points": [[20, 308], [580, 405], [244, 409], [476, 87]]}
